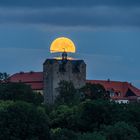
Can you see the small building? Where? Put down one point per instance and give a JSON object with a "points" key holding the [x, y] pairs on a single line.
{"points": [[121, 92], [34, 79]]}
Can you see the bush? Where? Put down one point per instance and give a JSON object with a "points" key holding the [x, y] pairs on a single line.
{"points": [[93, 114], [121, 131], [134, 115], [23, 121], [63, 134], [91, 136], [19, 91], [67, 94], [94, 92], [63, 117]]}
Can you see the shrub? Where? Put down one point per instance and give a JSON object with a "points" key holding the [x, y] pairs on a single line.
{"points": [[121, 131], [23, 121], [63, 134]]}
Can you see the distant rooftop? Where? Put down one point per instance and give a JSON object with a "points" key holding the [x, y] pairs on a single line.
{"points": [[35, 79]]}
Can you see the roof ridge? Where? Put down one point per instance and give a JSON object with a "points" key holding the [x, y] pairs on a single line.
{"points": [[108, 81]]}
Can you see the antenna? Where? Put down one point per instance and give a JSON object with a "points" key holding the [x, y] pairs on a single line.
{"points": [[64, 55]]}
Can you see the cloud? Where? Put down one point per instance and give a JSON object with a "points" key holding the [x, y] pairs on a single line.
{"points": [[67, 3], [77, 17], [72, 14]]}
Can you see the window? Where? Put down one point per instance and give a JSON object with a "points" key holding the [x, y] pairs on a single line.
{"points": [[112, 93]]}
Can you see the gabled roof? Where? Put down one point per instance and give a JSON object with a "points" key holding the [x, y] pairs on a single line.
{"points": [[129, 93], [27, 77], [34, 79], [117, 86]]}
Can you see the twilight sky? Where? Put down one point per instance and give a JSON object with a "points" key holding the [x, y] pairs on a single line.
{"points": [[105, 32]]}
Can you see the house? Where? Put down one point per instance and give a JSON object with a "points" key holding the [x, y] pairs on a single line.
{"points": [[121, 92], [34, 79]]}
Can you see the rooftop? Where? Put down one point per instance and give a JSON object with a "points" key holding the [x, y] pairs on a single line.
{"points": [[35, 79]]}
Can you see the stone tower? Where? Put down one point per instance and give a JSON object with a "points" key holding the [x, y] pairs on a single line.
{"points": [[55, 71]]}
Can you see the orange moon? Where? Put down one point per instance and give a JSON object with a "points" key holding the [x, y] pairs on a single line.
{"points": [[62, 44]]}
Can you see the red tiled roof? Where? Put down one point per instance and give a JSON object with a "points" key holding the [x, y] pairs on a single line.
{"points": [[34, 79], [117, 86], [27, 77]]}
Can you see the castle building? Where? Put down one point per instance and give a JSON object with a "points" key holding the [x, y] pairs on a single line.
{"points": [[67, 69], [122, 92], [55, 71]]}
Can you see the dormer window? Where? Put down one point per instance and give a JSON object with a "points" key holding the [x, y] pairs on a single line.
{"points": [[112, 94]]}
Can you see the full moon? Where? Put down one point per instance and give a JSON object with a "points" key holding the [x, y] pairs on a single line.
{"points": [[62, 44]]}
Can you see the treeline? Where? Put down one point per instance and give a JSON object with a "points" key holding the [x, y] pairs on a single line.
{"points": [[77, 114]]}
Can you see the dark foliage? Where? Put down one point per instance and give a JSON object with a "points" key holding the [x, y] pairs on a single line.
{"points": [[121, 131], [22, 121], [93, 114], [4, 77], [94, 117], [64, 117], [67, 93], [63, 134], [94, 91], [19, 91], [91, 136]]}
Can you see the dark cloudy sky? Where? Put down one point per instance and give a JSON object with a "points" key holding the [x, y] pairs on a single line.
{"points": [[105, 32]]}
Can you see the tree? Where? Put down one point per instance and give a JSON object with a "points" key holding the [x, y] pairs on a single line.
{"points": [[66, 93], [134, 115], [88, 116], [91, 136], [64, 117], [19, 91], [4, 77], [93, 114], [121, 131], [94, 91], [23, 121], [63, 134]]}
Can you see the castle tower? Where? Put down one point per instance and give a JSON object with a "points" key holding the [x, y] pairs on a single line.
{"points": [[56, 70]]}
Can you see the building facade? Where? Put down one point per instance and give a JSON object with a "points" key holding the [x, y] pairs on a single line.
{"points": [[55, 71], [121, 92], [34, 79]]}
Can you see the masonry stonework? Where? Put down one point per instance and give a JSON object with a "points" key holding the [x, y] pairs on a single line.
{"points": [[55, 71]]}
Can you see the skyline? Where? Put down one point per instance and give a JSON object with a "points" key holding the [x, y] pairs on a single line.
{"points": [[106, 35]]}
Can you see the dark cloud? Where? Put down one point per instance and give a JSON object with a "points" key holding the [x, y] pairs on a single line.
{"points": [[72, 13], [98, 16], [69, 3]]}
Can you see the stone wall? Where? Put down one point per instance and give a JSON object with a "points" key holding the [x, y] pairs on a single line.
{"points": [[56, 70]]}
